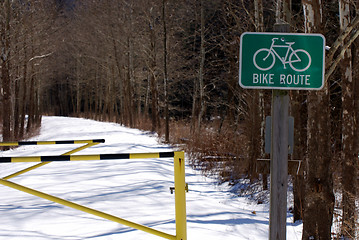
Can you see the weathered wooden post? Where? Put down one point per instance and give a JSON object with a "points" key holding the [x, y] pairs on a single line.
{"points": [[279, 159], [280, 61]]}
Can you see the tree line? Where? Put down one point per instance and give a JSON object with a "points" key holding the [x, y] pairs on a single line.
{"points": [[172, 67]]}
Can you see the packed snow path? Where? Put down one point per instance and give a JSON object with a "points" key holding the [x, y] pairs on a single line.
{"points": [[136, 190]]}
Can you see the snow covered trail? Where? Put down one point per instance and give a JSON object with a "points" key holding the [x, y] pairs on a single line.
{"points": [[136, 190]]}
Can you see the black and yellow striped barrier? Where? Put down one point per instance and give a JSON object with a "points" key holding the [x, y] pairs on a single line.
{"points": [[88, 143], [179, 182], [24, 143], [86, 157]]}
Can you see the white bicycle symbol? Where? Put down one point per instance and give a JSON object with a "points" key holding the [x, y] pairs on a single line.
{"points": [[299, 59]]}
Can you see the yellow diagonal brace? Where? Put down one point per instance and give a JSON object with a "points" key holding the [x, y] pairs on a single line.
{"points": [[24, 170], [44, 163], [81, 148], [87, 210]]}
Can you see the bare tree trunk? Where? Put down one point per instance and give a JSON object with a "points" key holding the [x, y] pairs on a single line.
{"points": [[155, 121], [17, 85], [300, 115], [118, 66], [37, 90], [349, 155], [24, 93], [319, 197], [253, 129], [78, 91], [128, 93], [196, 84], [111, 89], [132, 98], [259, 24], [201, 102], [5, 73], [165, 74], [258, 15], [31, 105], [299, 112], [194, 107], [31, 113]]}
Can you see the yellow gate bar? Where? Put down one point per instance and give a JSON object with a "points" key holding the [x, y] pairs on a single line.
{"points": [[86, 157], [51, 142], [87, 210], [89, 144]]}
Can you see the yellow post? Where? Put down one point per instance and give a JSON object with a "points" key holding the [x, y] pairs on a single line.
{"points": [[180, 196]]}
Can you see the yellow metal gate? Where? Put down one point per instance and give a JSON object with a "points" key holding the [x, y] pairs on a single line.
{"points": [[179, 180]]}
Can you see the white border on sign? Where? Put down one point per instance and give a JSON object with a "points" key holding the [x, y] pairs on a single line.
{"points": [[276, 33]]}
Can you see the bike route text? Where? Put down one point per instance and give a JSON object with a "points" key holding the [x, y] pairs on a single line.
{"points": [[282, 79]]}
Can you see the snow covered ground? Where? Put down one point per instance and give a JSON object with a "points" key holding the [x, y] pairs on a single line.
{"points": [[136, 190]]}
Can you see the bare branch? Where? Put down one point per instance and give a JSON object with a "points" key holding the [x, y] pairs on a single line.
{"points": [[41, 56], [334, 64], [336, 45], [249, 14]]}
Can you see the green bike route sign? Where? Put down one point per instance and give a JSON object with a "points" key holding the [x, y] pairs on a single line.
{"points": [[282, 61]]}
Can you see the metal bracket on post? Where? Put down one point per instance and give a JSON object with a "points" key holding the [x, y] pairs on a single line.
{"points": [[172, 189]]}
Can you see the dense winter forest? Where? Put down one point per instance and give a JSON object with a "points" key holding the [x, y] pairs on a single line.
{"points": [[171, 66]]}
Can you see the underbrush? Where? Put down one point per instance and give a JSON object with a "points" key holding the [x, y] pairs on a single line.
{"points": [[220, 153], [212, 151]]}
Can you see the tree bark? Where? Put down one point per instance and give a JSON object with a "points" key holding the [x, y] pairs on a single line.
{"points": [[128, 91], [165, 73], [319, 196], [201, 103], [152, 66], [253, 128], [5, 73], [349, 155], [24, 93], [259, 24], [300, 115]]}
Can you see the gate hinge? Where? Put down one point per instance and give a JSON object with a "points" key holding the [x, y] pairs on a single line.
{"points": [[172, 189]]}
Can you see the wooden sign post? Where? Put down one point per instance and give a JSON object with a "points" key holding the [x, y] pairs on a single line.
{"points": [[279, 159], [280, 61], [279, 166]]}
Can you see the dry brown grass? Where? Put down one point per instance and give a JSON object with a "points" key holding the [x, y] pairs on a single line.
{"points": [[210, 150]]}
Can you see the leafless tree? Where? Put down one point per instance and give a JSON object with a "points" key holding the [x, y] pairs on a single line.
{"points": [[319, 195]]}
